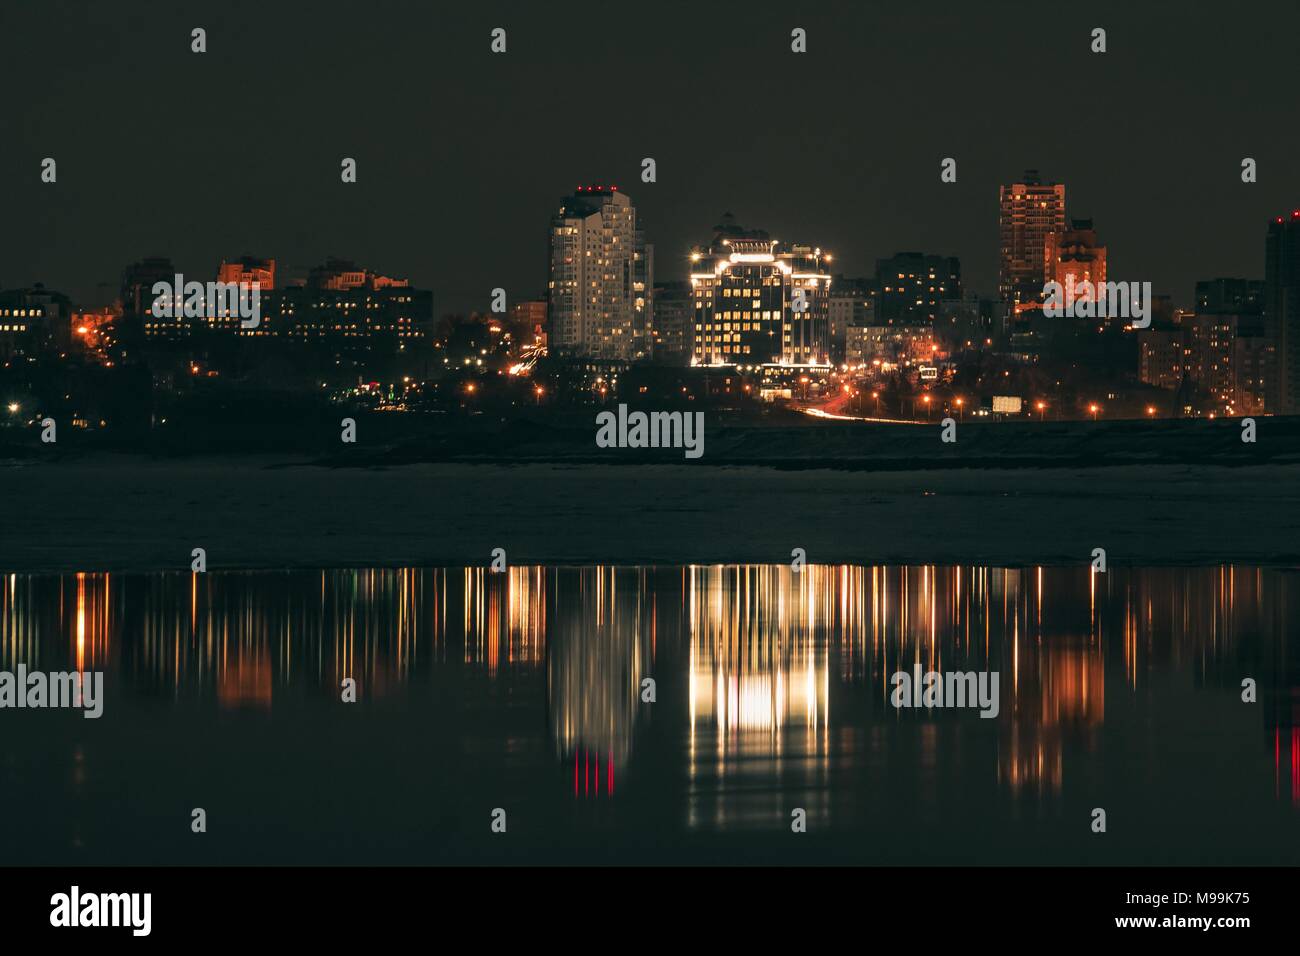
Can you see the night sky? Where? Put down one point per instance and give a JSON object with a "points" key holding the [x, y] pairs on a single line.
{"points": [[463, 155]]}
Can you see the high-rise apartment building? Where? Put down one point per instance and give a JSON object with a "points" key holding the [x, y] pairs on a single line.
{"points": [[1254, 361], [1232, 309], [601, 277], [758, 301], [1211, 352], [1162, 357], [1282, 311], [1028, 212], [1219, 352]]}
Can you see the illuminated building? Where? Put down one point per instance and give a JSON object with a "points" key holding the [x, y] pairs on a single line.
{"points": [[1282, 311], [394, 315], [911, 286], [601, 274], [1220, 349], [1073, 256], [1028, 212], [340, 304], [1221, 353], [248, 270], [32, 318], [1255, 361], [892, 343], [1233, 358], [1211, 348], [757, 301], [852, 305], [1161, 358]]}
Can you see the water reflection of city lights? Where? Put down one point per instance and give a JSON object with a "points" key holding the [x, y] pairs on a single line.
{"points": [[771, 673]]}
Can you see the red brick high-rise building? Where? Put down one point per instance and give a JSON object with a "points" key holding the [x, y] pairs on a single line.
{"points": [[1028, 212]]}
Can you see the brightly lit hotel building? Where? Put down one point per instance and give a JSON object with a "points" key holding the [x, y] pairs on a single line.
{"points": [[759, 302]]}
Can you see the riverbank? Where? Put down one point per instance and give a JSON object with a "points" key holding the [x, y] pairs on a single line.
{"points": [[131, 513]]}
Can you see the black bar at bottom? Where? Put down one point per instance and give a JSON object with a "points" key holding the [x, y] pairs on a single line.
{"points": [[612, 906]]}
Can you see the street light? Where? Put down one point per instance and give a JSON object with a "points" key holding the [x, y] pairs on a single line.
{"points": [[926, 399], [1041, 407], [13, 408], [1094, 409]]}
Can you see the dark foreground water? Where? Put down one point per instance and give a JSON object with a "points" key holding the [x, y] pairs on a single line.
{"points": [[523, 691]]}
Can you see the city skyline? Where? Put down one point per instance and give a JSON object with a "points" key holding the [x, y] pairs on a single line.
{"points": [[751, 303], [865, 196], [225, 264], [602, 435]]}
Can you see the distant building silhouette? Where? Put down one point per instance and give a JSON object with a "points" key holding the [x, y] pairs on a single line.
{"points": [[1282, 310], [673, 313], [248, 269], [136, 291], [1225, 296], [337, 275]]}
